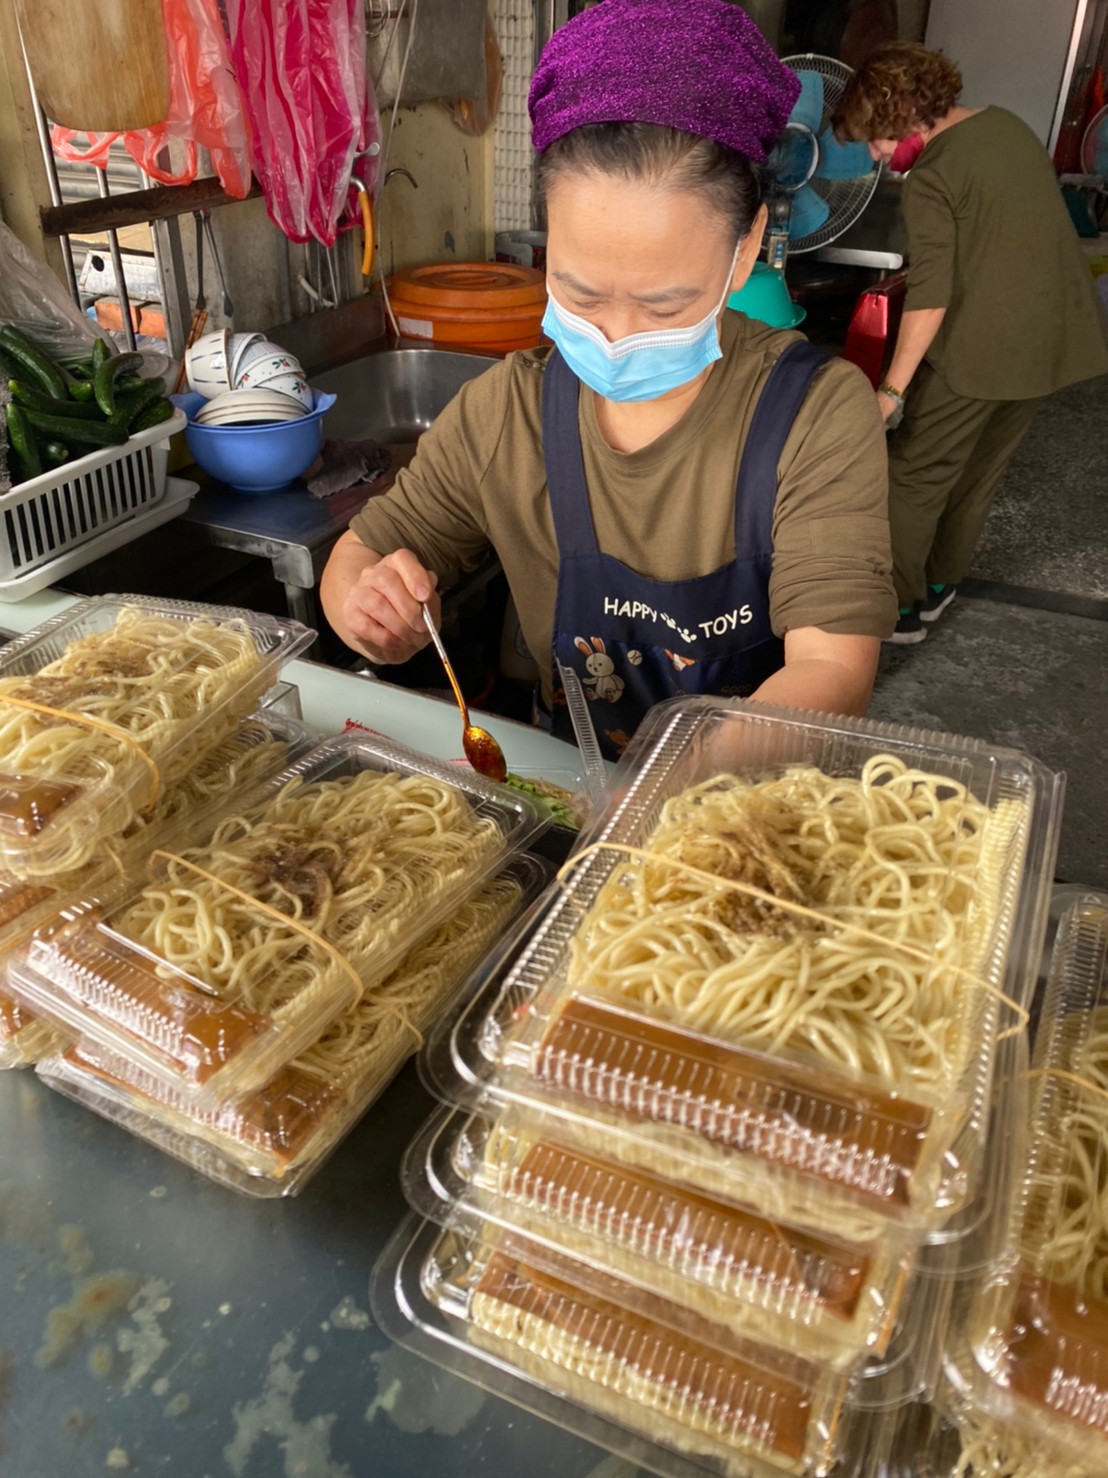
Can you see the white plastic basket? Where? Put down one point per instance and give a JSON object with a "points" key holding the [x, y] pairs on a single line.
{"points": [[72, 505]]}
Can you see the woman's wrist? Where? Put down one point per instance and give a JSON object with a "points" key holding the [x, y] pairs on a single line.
{"points": [[891, 391]]}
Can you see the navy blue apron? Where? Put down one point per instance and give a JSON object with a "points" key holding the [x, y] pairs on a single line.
{"points": [[634, 641]]}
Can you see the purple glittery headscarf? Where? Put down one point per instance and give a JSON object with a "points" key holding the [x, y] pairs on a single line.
{"points": [[701, 66]]}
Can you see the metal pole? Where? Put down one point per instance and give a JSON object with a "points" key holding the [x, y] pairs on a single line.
{"points": [[51, 177], [117, 266]]}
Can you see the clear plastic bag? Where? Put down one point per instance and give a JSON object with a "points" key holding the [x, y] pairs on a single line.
{"points": [[302, 67], [35, 302], [206, 109]]}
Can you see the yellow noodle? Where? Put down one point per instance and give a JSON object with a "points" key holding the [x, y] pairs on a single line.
{"points": [[912, 858], [1073, 1248], [356, 860], [151, 677]]}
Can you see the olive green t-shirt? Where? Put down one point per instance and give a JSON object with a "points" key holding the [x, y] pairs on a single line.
{"points": [[666, 510], [990, 240]]}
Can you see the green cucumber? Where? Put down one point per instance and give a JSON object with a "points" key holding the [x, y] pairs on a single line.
{"points": [[35, 400], [54, 454], [158, 411], [129, 407], [22, 437], [105, 377], [42, 369], [101, 351], [70, 430]]}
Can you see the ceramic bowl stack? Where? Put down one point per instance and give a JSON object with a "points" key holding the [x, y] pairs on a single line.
{"points": [[254, 421], [222, 363]]}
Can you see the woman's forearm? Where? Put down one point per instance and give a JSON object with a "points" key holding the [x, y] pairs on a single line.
{"points": [[918, 328]]}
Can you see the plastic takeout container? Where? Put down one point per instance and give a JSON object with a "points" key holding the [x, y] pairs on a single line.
{"points": [[272, 1141], [792, 1289], [1033, 1361], [109, 704], [678, 1382], [259, 747], [237, 956], [772, 1120]]}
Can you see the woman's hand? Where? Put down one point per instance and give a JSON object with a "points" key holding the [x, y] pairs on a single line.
{"points": [[887, 405], [373, 600], [383, 610]]}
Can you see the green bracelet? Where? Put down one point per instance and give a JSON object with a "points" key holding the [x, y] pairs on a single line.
{"points": [[886, 389]]}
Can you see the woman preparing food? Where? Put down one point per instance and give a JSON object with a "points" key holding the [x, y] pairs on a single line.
{"points": [[683, 500]]}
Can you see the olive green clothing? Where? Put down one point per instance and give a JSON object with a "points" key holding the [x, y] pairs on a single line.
{"points": [[667, 510], [990, 240], [945, 460]]}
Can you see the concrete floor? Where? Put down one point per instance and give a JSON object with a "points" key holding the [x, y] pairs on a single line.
{"points": [[1021, 657]]}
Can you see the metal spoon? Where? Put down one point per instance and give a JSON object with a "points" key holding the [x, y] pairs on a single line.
{"points": [[481, 749]]}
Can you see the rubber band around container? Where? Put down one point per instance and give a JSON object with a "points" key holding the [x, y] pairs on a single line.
{"points": [[1067, 1077], [112, 730], [645, 854], [302, 929]]}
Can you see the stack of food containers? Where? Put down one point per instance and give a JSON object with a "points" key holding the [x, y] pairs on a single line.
{"points": [[123, 722], [1026, 1365], [715, 1153], [242, 1006]]}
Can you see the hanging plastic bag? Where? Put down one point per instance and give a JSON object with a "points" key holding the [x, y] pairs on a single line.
{"points": [[34, 301], [205, 110], [301, 65]]}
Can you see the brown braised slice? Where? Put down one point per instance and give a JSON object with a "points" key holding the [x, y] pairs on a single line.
{"points": [[197, 1033], [747, 1398], [689, 1233], [13, 1017], [1058, 1352], [648, 1069], [29, 803], [279, 1119]]}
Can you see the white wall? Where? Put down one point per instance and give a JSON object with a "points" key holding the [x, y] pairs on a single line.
{"points": [[1010, 52]]}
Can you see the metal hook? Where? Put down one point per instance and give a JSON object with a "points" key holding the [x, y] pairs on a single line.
{"points": [[399, 169]]}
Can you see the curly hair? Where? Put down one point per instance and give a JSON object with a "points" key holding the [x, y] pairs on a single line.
{"points": [[898, 88]]}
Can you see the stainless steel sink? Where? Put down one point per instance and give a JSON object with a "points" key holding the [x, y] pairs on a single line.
{"points": [[393, 395]]}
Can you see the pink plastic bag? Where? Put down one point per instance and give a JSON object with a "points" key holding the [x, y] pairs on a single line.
{"points": [[205, 107], [301, 64]]}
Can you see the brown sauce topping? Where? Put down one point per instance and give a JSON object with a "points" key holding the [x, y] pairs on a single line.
{"points": [[1058, 1352], [28, 803], [198, 1033], [650, 1070], [763, 1402], [665, 1223]]}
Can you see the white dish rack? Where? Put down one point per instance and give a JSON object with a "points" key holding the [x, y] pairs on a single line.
{"points": [[61, 520], [176, 494]]}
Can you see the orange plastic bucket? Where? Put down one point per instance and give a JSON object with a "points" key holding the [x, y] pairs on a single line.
{"points": [[487, 305]]}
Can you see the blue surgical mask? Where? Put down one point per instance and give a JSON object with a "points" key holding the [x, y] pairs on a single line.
{"points": [[641, 366]]}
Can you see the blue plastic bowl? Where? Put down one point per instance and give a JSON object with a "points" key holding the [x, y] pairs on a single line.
{"points": [[256, 459]]}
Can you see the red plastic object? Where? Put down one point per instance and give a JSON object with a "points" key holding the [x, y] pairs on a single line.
{"points": [[874, 325]]}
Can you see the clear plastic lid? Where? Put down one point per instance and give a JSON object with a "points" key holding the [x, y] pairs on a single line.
{"points": [[780, 957], [237, 954], [270, 1142], [109, 704], [260, 746], [1034, 1355], [681, 1379], [673, 1395], [828, 1300]]}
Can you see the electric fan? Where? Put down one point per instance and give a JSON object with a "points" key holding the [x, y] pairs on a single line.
{"points": [[816, 186]]}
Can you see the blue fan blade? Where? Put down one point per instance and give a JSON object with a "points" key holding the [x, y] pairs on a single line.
{"points": [[809, 212], [808, 108], [849, 161]]}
